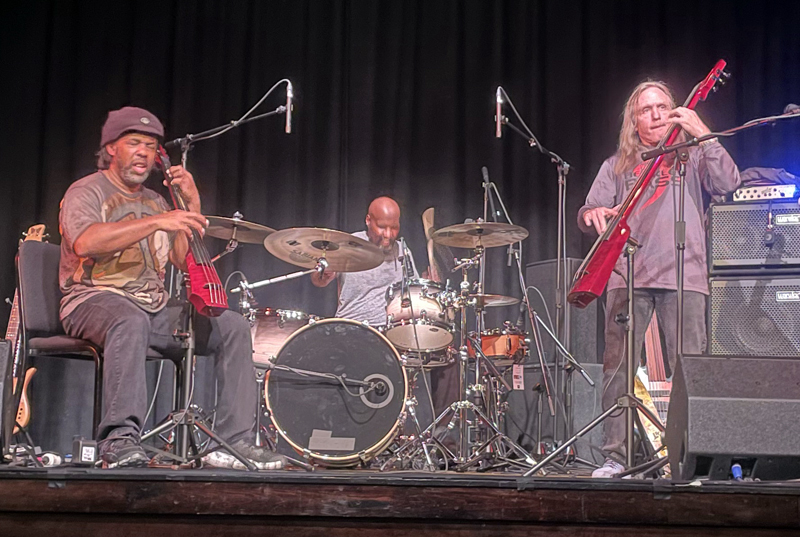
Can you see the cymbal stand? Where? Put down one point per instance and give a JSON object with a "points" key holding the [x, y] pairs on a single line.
{"points": [[466, 460]]}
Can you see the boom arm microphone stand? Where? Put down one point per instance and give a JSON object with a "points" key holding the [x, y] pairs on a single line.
{"points": [[562, 329], [184, 419]]}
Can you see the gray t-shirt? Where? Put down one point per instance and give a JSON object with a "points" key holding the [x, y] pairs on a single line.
{"points": [[136, 272], [711, 169], [362, 295]]}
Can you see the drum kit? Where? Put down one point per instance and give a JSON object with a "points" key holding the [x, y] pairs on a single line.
{"points": [[338, 391]]}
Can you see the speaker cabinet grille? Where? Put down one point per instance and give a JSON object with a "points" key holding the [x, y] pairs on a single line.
{"points": [[737, 236], [755, 317]]}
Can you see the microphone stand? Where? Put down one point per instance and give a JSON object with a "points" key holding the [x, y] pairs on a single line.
{"points": [[186, 142], [563, 328]]}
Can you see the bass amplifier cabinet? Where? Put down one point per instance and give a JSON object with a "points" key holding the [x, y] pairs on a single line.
{"points": [[739, 239], [755, 317], [725, 410]]}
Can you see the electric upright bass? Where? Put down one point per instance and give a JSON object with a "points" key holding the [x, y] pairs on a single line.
{"points": [[205, 290], [593, 274]]}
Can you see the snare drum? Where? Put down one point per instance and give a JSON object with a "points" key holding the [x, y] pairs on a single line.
{"points": [[504, 346], [270, 328], [336, 419], [429, 360], [421, 325]]}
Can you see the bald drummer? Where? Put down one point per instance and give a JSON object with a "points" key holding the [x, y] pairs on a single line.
{"points": [[362, 295]]}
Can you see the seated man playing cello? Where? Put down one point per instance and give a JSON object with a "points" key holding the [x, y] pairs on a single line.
{"points": [[117, 237]]}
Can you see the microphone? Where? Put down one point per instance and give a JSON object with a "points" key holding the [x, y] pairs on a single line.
{"points": [[791, 108], [510, 254], [498, 115], [521, 318], [289, 95]]}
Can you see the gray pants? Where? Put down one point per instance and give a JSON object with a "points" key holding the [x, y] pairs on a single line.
{"points": [[125, 332], [646, 301]]}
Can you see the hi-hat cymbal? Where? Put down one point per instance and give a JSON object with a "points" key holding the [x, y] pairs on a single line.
{"points": [[474, 234], [305, 246], [484, 300], [221, 227]]}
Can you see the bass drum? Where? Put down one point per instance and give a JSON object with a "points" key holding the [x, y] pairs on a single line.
{"points": [[333, 422]]}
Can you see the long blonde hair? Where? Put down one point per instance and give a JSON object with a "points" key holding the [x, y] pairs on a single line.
{"points": [[630, 146]]}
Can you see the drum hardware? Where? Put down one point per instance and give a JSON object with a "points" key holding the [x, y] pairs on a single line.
{"points": [[473, 395], [320, 267]]}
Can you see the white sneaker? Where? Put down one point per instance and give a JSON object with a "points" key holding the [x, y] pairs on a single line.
{"points": [[262, 458], [610, 468]]}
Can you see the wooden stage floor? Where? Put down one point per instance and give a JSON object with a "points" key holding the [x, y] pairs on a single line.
{"points": [[116, 503]]}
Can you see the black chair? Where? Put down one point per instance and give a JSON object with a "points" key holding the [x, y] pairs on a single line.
{"points": [[41, 331]]}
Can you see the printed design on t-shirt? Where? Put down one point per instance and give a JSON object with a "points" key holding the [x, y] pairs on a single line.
{"points": [[140, 268], [661, 180]]}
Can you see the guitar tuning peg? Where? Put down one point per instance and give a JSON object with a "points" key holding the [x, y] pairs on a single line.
{"points": [[726, 75], [715, 88]]}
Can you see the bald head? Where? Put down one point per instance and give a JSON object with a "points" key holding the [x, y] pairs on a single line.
{"points": [[383, 222]]}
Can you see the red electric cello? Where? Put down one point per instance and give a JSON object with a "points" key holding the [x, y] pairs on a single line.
{"points": [[593, 274], [205, 290]]}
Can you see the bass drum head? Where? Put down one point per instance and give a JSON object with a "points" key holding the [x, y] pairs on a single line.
{"points": [[319, 417]]}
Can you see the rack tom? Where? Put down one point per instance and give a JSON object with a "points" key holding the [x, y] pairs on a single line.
{"points": [[416, 319]]}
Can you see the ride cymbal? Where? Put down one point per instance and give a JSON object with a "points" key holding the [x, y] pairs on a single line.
{"points": [[305, 246], [474, 234]]}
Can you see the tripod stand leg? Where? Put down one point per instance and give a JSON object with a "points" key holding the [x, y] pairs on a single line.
{"points": [[592, 424]]}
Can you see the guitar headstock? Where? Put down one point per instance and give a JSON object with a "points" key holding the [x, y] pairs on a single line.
{"points": [[717, 74], [35, 233]]}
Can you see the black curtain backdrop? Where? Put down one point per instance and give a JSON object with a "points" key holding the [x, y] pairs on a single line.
{"points": [[391, 97]]}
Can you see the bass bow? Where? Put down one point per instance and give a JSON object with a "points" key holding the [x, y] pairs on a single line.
{"points": [[593, 274]]}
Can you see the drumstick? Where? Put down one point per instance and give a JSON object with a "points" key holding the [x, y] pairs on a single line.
{"points": [[427, 225]]}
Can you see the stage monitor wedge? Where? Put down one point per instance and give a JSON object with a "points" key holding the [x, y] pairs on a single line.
{"points": [[725, 410]]}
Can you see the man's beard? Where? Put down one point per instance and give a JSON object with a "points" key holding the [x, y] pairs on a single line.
{"points": [[131, 177]]}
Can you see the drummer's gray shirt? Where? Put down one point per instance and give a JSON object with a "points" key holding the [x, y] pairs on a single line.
{"points": [[362, 295]]}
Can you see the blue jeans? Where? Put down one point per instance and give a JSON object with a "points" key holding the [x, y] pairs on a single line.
{"points": [[125, 332], [646, 301]]}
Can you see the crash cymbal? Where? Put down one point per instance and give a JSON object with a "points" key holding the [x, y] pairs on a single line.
{"points": [[486, 234], [304, 246], [221, 227], [484, 300]]}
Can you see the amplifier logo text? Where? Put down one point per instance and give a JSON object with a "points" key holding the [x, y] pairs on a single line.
{"points": [[787, 296], [791, 219]]}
